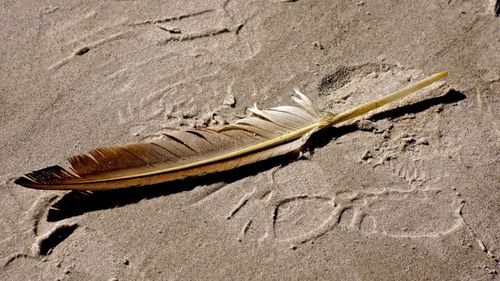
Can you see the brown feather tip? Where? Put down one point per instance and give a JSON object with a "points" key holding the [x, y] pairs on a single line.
{"points": [[49, 174]]}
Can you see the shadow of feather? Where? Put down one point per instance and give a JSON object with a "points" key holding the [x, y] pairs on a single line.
{"points": [[452, 96], [75, 203]]}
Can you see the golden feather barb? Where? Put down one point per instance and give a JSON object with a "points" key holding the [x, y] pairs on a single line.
{"points": [[181, 154]]}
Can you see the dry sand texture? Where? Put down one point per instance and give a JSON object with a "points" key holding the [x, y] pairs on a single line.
{"points": [[408, 193]]}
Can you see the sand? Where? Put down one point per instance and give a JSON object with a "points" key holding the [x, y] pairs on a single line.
{"points": [[410, 192]]}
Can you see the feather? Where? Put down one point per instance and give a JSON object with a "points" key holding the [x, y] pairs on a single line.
{"points": [[181, 154]]}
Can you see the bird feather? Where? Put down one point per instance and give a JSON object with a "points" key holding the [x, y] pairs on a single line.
{"points": [[177, 155]]}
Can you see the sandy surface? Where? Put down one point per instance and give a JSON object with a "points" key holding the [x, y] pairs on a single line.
{"points": [[408, 193]]}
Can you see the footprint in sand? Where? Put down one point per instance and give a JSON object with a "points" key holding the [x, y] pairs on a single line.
{"points": [[395, 213]]}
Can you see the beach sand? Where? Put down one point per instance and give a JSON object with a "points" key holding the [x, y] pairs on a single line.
{"points": [[409, 192]]}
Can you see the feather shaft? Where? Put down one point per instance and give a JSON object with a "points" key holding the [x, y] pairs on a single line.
{"points": [[364, 108]]}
